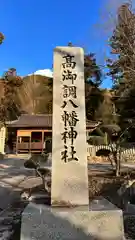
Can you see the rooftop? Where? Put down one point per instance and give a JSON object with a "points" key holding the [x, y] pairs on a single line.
{"points": [[40, 120]]}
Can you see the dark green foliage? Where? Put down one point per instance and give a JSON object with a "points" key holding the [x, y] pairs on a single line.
{"points": [[30, 164], [106, 110], [92, 72], [93, 79], [96, 140], [122, 43], [1, 38], [122, 66], [103, 152], [10, 107]]}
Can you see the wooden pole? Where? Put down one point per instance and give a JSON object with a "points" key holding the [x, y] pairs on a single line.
{"points": [[17, 143], [30, 143], [42, 141]]}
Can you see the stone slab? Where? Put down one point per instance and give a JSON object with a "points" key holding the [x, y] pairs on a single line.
{"points": [[43, 223], [130, 209], [31, 181], [14, 180], [69, 175], [101, 204]]}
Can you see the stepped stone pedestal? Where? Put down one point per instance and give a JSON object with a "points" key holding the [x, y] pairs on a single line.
{"points": [[103, 222]]}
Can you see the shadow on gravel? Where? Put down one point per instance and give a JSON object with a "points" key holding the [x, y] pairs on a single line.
{"points": [[20, 205]]}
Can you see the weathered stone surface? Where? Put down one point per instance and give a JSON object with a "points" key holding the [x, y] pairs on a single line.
{"points": [[41, 223], [69, 177], [102, 204]]}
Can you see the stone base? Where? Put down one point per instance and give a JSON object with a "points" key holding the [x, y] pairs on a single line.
{"points": [[129, 209], [43, 223]]}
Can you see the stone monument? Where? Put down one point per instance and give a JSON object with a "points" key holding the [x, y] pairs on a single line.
{"points": [[69, 151], [70, 216]]}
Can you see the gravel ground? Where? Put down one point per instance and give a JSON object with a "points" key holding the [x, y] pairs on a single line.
{"points": [[10, 221], [129, 226]]}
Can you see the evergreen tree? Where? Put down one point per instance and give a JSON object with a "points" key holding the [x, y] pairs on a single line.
{"points": [[1, 38], [122, 66], [93, 80], [9, 107], [92, 71], [106, 111]]}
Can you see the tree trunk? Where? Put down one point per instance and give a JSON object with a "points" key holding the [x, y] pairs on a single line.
{"points": [[118, 161], [111, 161], [118, 168]]}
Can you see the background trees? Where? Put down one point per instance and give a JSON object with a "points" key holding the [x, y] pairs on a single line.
{"points": [[122, 63], [10, 107], [121, 67], [1, 38], [33, 94], [93, 80]]}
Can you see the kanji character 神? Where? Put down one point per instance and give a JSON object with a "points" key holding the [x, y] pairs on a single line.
{"points": [[65, 135], [72, 134]]}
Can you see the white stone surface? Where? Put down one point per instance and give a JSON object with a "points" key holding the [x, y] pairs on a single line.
{"points": [[42, 223], [70, 179]]}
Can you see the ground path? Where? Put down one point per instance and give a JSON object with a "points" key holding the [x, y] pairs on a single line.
{"points": [[14, 178]]}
